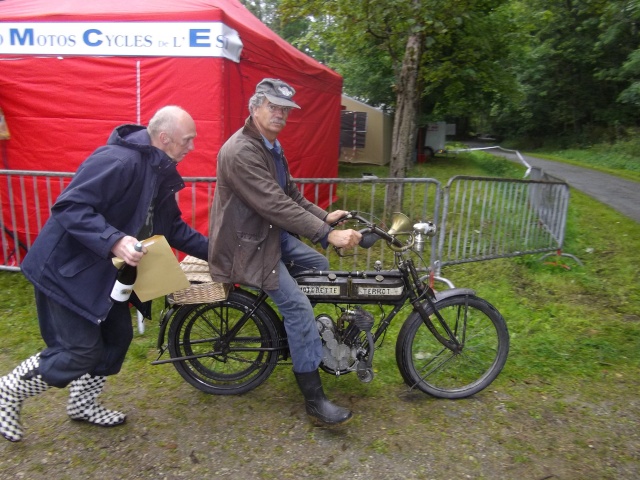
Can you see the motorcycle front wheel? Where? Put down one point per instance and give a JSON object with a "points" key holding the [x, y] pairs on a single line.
{"points": [[426, 364]]}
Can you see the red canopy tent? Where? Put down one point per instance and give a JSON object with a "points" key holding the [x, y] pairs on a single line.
{"points": [[72, 70]]}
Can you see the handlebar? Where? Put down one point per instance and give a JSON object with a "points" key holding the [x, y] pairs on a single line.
{"points": [[346, 217], [371, 233]]}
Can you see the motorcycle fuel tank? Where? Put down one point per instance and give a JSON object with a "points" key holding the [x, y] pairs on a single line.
{"points": [[350, 286]]}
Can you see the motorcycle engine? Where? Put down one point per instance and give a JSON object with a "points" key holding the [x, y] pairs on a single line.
{"points": [[336, 355], [341, 345]]}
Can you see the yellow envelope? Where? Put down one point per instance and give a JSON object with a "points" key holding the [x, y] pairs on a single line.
{"points": [[159, 272]]}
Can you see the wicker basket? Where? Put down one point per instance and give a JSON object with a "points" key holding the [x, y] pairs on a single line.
{"points": [[203, 289]]}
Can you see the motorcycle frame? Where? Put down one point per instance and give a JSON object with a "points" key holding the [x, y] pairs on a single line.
{"points": [[415, 292]]}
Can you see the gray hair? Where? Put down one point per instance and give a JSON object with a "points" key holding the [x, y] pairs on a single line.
{"points": [[164, 120], [256, 101]]}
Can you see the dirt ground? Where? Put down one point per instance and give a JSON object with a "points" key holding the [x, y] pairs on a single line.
{"points": [[509, 431]]}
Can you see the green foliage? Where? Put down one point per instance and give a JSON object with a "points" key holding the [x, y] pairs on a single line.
{"points": [[576, 70], [518, 68], [467, 73], [463, 41]]}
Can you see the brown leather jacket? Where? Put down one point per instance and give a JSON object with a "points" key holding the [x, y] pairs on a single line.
{"points": [[249, 209]]}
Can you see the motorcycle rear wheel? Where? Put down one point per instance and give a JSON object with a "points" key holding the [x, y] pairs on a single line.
{"points": [[224, 365]]}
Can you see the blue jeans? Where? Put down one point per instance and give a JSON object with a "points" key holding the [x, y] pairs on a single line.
{"points": [[305, 345]]}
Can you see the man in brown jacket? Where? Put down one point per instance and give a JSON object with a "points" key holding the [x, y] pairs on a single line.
{"points": [[257, 211]]}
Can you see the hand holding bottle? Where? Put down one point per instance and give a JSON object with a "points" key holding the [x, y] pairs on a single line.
{"points": [[126, 278], [125, 248]]}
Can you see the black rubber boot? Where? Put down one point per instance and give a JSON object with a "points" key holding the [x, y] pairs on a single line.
{"points": [[319, 408]]}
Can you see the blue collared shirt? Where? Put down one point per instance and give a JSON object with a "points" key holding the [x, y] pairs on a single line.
{"points": [[276, 152], [281, 175]]}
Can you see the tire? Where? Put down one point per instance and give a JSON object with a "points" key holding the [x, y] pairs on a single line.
{"points": [[229, 366], [427, 365], [429, 154]]}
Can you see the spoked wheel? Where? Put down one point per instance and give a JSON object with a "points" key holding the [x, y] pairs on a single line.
{"points": [[429, 366], [220, 362]]}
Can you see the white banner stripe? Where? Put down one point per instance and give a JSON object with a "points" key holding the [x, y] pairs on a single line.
{"points": [[166, 39]]}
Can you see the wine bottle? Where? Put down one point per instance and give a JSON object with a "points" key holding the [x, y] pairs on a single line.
{"points": [[125, 279]]}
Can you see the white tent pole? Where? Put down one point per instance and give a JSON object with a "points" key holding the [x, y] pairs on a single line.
{"points": [[138, 119]]}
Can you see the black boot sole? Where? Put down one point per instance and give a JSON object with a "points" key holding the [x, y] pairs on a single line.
{"points": [[321, 423]]}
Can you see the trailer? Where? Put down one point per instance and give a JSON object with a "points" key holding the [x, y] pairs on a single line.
{"points": [[435, 138]]}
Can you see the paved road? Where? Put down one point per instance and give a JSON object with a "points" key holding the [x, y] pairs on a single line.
{"points": [[620, 194]]}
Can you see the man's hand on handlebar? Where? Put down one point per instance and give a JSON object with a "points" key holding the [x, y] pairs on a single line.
{"points": [[344, 238], [335, 218]]}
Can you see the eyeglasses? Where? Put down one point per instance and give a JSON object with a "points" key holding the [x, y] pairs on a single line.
{"points": [[277, 108]]}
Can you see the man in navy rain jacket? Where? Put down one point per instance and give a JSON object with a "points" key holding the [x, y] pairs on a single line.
{"points": [[123, 192]]}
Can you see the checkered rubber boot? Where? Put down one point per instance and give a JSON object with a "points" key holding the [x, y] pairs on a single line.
{"points": [[83, 404], [23, 382]]}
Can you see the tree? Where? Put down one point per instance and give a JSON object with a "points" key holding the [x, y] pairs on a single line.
{"points": [[528, 68], [265, 11], [393, 33], [576, 70], [403, 137], [462, 47], [619, 44]]}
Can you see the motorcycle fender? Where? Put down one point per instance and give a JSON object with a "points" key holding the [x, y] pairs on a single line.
{"points": [[163, 326], [452, 292]]}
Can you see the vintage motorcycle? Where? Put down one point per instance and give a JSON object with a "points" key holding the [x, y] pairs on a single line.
{"points": [[452, 343]]}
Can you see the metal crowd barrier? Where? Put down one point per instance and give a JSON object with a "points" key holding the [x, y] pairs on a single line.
{"points": [[369, 196], [478, 218], [487, 218], [26, 198]]}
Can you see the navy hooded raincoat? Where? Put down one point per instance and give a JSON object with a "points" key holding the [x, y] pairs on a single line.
{"points": [[109, 197]]}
